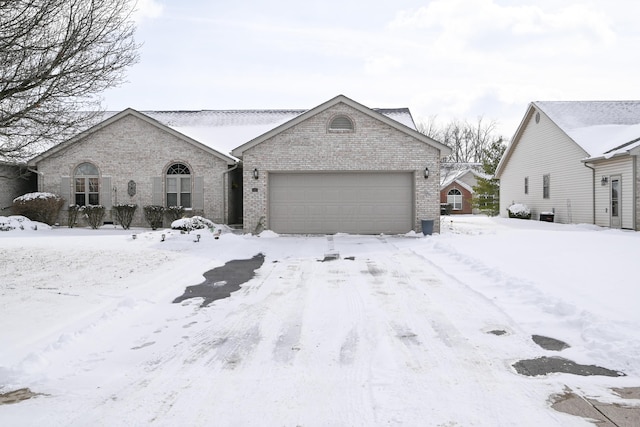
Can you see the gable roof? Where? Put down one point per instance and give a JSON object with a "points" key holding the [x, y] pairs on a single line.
{"points": [[459, 174], [115, 117], [225, 130], [597, 127], [389, 117]]}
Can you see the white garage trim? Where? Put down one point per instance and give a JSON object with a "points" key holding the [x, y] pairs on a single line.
{"points": [[347, 202]]}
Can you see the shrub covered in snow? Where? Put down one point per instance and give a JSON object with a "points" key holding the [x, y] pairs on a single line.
{"points": [[518, 210], [174, 213], [40, 207], [72, 215], [124, 214], [154, 215], [193, 223], [94, 215]]}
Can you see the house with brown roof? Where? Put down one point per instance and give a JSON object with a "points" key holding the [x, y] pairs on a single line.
{"points": [[577, 160]]}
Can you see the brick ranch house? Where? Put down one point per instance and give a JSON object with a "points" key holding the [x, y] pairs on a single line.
{"points": [[339, 167], [456, 186]]}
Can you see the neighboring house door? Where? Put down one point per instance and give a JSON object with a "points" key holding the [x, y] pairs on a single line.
{"points": [[615, 198]]}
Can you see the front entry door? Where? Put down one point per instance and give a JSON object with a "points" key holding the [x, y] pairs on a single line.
{"points": [[616, 196]]}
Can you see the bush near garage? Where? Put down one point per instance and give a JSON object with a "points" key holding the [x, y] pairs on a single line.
{"points": [[193, 223]]}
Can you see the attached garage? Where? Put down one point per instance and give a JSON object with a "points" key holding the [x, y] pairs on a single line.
{"points": [[347, 202], [341, 168]]}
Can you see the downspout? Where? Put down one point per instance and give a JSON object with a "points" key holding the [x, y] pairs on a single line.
{"points": [[593, 191], [225, 193]]}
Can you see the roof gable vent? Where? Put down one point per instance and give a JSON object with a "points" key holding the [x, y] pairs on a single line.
{"points": [[341, 123]]}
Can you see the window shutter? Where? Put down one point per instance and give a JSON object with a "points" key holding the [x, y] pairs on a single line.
{"points": [[198, 193], [105, 193], [65, 192], [156, 189]]}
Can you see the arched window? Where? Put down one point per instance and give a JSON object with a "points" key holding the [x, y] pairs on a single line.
{"points": [[86, 184], [341, 123], [454, 198], [179, 185]]}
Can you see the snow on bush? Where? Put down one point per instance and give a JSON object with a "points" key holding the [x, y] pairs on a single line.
{"points": [[34, 196], [41, 207], [20, 223], [193, 223], [518, 210]]}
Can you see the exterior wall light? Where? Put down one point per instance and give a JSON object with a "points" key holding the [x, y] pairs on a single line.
{"points": [[256, 174], [604, 180], [426, 172]]}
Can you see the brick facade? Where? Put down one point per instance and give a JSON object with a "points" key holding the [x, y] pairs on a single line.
{"points": [[310, 146], [467, 197], [133, 149]]}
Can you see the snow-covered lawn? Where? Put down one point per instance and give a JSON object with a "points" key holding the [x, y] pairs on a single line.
{"points": [[394, 332]]}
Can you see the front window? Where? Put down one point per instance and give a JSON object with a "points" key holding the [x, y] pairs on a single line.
{"points": [[454, 198], [546, 185], [86, 185], [179, 186]]}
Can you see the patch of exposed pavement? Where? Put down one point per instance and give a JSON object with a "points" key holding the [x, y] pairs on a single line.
{"points": [[16, 396], [222, 281], [602, 414]]}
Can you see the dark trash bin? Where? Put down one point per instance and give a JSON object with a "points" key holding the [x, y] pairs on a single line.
{"points": [[546, 216], [427, 227]]}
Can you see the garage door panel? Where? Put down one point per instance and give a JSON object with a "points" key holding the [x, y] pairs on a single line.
{"points": [[314, 203]]}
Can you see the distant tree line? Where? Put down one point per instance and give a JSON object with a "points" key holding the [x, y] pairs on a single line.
{"points": [[470, 142]]}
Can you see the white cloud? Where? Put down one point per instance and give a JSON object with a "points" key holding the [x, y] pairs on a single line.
{"points": [[147, 9], [458, 24]]}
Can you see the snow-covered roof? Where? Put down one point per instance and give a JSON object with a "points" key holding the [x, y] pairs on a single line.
{"points": [[596, 126], [224, 130], [450, 172]]}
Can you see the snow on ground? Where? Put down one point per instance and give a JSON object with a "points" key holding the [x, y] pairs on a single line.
{"points": [[394, 332]]}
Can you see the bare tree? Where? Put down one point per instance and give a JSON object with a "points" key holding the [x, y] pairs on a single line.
{"points": [[468, 141], [56, 57]]}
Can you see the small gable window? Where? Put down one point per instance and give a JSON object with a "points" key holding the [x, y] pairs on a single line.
{"points": [[179, 185], [86, 185], [341, 124]]}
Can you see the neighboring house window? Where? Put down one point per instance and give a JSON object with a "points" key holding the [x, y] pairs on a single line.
{"points": [[179, 185], [341, 124], [546, 184], [454, 198], [526, 185], [86, 187]]}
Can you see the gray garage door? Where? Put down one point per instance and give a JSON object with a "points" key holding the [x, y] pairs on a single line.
{"points": [[347, 202]]}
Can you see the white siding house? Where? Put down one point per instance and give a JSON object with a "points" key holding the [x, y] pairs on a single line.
{"points": [[577, 160]]}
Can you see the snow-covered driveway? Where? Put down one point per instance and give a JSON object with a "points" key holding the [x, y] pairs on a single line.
{"points": [[391, 333]]}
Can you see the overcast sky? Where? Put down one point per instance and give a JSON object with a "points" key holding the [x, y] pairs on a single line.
{"points": [[445, 58]]}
